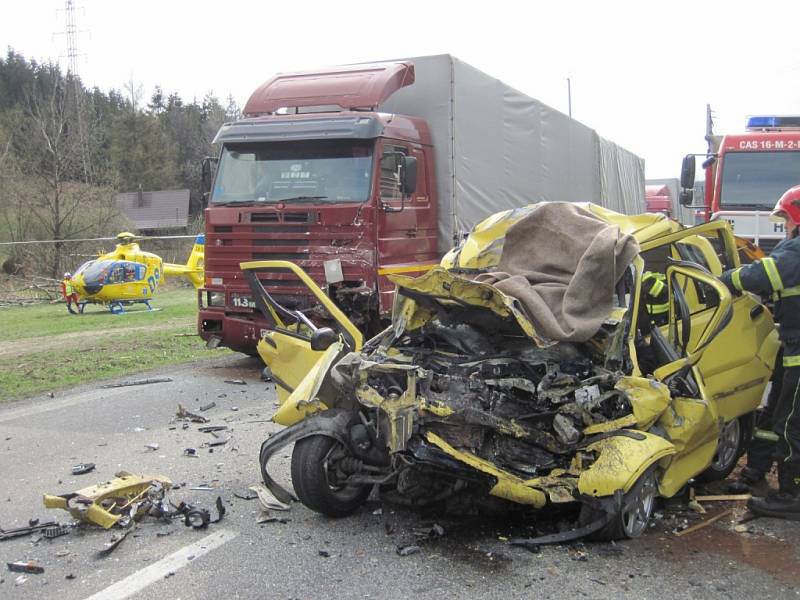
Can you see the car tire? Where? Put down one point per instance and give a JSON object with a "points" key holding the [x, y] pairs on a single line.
{"points": [[311, 483], [733, 442], [637, 508]]}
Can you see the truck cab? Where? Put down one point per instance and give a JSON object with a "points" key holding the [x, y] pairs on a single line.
{"points": [[314, 175], [746, 173]]}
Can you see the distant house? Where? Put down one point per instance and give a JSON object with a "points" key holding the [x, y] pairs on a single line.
{"points": [[166, 209]]}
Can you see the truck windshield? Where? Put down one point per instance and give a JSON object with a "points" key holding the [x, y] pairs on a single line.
{"points": [[755, 180], [318, 170]]}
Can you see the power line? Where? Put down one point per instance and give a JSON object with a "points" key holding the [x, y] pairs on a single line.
{"points": [[102, 239]]}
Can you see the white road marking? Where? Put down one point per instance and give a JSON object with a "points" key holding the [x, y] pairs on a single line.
{"points": [[125, 588]]}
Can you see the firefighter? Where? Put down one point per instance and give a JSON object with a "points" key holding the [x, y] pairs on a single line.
{"points": [[778, 275], [656, 297], [69, 293]]}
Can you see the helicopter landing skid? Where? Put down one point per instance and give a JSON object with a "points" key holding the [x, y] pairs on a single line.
{"points": [[118, 307]]}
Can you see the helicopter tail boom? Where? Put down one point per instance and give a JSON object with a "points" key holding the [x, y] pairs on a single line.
{"points": [[193, 270]]}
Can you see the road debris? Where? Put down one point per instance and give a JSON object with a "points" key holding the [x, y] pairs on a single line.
{"points": [[236, 381], [212, 428], [428, 533], [183, 414], [245, 494], [138, 382], [208, 406], [25, 567], [114, 542], [82, 468], [20, 580], [197, 517], [266, 517], [408, 550], [192, 452], [35, 527], [268, 501], [704, 524], [118, 501], [152, 446], [724, 498]]}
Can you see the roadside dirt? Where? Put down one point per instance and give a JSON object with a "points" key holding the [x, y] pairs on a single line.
{"points": [[74, 340]]}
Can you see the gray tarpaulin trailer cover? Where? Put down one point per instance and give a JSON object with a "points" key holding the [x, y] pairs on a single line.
{"points": [[496, 148]]}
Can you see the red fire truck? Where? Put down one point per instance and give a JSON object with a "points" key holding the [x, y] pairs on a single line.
{"points": [[745, 174]]}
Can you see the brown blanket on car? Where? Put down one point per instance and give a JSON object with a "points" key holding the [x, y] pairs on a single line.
{"points": [[562, 263]]}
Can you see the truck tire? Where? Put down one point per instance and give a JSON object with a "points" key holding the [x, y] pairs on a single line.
{"points": [[311, 482]]}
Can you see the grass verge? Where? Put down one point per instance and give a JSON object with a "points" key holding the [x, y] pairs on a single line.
{"points": [[58, 350]]}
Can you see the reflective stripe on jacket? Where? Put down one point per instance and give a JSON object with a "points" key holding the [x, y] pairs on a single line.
{"points": [[778, 276]]}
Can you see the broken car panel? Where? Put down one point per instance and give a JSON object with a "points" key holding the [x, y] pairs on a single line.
{"points": [[464, 395]]}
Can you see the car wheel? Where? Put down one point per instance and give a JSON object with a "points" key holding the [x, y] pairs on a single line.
{"points": [[314, 478], [633, 519], [731, 445]]}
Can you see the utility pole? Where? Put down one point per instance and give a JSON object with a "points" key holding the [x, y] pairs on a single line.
{"points": [[71, 31], [569, 96]]}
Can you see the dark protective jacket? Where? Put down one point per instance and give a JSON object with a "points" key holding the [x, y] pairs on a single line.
{"points": [[778, 276]]}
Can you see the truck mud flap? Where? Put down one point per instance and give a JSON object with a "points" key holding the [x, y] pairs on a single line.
{"points": [[333, 423]]}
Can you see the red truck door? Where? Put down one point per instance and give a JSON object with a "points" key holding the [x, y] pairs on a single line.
{"points": [[406, 227]]}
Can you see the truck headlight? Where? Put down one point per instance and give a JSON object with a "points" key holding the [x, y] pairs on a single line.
{"points": [[216, 298]]}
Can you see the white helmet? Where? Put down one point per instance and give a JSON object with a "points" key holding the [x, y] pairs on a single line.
{"points": [[67, 275]]}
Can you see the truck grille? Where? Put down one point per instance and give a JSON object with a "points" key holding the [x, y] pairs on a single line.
{"points": [[288, 217]]}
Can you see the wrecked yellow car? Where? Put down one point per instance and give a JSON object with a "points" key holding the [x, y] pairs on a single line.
{"points": [[530, 368]]}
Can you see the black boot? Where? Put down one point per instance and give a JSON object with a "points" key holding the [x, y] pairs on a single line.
{"points": [[785, 503]]}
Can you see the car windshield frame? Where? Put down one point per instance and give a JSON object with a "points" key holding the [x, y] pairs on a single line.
{"points": [[320, 171], [756, 180]]}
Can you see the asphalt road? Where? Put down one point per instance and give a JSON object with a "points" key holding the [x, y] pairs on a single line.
{"points": [[309, 556]]}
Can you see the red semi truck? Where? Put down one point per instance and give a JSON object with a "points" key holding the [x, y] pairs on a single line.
{"points": [[361, 171], [745, 174]]}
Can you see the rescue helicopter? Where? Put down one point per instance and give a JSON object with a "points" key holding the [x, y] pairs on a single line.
{"points": [[129, 275]]}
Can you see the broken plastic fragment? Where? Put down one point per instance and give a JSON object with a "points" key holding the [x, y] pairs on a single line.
{"points": [[268, 501], [25, 567], [407, 550], [82, 468]]}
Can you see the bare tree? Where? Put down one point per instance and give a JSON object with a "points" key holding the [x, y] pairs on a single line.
{"points": [[49, 143]]}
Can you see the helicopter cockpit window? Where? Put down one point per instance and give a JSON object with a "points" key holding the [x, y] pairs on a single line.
{"points": [[102, 272]]}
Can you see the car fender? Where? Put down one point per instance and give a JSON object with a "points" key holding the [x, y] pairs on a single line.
{"points": [[621, 460], [306, 398]]}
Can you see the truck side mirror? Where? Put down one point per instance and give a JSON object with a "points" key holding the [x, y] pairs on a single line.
{"points": [[408, 175], [687, 172], [207, 176], [686, 197]]}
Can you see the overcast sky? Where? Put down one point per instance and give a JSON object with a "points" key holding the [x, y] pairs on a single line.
{"points": [[642, 72]]}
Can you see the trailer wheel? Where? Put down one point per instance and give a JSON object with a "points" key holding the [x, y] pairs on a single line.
{"points": [[314, 478]]}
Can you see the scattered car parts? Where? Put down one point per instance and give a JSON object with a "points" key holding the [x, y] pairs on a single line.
{"points": [[106, 504]]}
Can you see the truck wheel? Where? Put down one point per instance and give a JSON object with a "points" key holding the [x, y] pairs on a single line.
{"points": [[313, 477], [632, 520], [732, 444]]}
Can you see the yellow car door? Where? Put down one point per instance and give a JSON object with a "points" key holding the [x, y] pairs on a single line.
{"points": [[298, 352], [737, 367]]}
